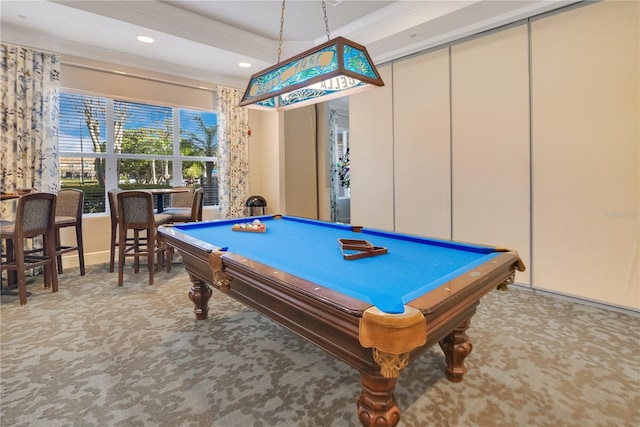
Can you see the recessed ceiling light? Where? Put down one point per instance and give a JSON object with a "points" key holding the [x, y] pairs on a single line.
{"points": [[244, 64], [145, 39]]}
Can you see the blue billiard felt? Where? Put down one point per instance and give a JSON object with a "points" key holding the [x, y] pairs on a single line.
{"points": [[309, 249]]}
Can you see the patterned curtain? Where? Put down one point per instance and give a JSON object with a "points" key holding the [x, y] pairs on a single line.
{"points": [[233, 153], [29, 122], [335, 180]]}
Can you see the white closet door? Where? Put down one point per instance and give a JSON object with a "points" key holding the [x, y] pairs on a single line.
{"points": [[586, 157], [490, 142]]}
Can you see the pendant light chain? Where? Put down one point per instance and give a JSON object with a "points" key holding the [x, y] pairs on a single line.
{"points": [[281, 31], [326, 21], [326, 26]]}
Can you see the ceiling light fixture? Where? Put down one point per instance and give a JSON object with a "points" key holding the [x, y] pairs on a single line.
{"points": [[145, 39], [244, 65], [336, 68]]}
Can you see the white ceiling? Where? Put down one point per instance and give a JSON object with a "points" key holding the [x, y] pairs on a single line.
{"points": [[205, 40]]}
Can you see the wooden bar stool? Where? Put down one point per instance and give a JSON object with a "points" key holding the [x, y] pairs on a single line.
{"points": [[135, 213], [189, 210], [69, 208], [113, 207], [185, 214], [35, 217]]}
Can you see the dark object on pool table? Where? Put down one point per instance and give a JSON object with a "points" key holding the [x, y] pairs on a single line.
{"points": [[377, 250], [362, 248], [355, 244]]}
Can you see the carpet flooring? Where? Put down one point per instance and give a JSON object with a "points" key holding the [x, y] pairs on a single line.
{"points": [[95, 354]]}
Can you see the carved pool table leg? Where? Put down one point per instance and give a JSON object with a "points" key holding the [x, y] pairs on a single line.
{"points": [[199, 294], [377, 407], [456, 347]]}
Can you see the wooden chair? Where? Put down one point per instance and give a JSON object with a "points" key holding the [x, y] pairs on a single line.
{"points": [[182, 199], [135, 214], [113, 207], [190, 213], [35, 217], [69, 206], [197, 206]]}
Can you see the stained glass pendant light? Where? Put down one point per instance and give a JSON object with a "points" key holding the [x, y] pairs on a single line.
{"points": [[336, 68]]}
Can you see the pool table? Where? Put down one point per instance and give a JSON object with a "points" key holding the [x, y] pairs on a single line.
{"points": [[376, 311]]}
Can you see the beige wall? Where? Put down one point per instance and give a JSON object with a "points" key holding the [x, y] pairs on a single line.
{"points": [[134, 86], [543, 149], [586, 192], [96, 235]]}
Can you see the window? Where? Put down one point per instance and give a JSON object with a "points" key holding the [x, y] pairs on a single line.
{"points": [[106, 143]]}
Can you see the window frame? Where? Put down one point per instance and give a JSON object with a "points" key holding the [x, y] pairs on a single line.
{"points": [[111, 158]]}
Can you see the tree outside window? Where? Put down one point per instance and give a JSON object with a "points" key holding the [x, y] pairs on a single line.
{"points": [[142, 149]]}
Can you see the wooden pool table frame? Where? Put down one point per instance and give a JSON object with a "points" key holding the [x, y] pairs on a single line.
{"points": [[331, 320]]}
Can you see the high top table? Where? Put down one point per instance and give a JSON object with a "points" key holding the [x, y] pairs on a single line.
{"points": [[9, 196]]}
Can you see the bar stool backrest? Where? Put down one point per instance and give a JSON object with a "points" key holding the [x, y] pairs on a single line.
{"points": [[113, 208], [196, 209], [135, 210], [113, 204], [183, 199], [69, 203], [35, 214]]}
